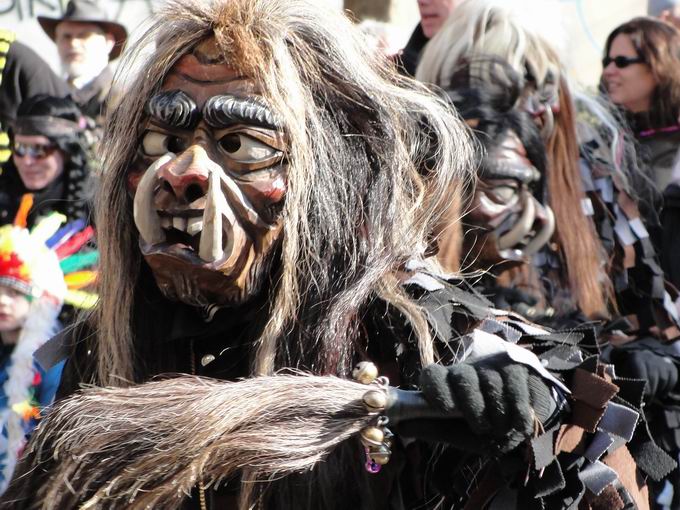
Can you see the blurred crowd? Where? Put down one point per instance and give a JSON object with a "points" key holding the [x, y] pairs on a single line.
{"points": [[572, 219]]}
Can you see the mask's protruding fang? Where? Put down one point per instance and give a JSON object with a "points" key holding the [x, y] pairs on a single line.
{"points": [[521, 228], [210, 247], [146, 218], [544, 235]]}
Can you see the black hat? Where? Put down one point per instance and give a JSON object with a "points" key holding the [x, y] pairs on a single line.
{"points": [[87, 11]]}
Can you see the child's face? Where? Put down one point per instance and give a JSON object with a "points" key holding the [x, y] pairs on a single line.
{"points": [[13, 309]]}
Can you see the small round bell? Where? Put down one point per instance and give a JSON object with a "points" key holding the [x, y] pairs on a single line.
{"points": [[375, 400], [365, 372], [381, 456], [207, 359], [372, 436]]}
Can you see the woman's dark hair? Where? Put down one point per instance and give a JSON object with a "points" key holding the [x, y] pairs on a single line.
{"points": [[658, 43], [71, 144], [43, 104]]}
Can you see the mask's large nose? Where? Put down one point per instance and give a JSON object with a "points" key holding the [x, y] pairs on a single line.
{"points": [[534, 107], [184, 180]]}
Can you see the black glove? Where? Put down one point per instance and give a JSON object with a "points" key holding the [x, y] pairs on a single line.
{"points": [[658, 371], [497, 398]]}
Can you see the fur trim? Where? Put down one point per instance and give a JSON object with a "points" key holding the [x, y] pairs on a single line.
{"points": [[40, 327], [147, 446]]}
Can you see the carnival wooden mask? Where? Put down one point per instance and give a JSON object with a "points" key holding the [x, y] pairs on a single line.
{"points": [[506, 222], [209, 183]]}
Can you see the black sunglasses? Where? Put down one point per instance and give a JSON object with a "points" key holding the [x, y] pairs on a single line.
{"points": [[621, 61], [36, 151]]}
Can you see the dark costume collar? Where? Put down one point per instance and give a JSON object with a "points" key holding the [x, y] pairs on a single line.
{"points": [[642, 125]]}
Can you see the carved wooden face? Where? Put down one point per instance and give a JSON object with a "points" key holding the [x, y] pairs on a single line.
{"points": [[506, 223], [209, 183]]}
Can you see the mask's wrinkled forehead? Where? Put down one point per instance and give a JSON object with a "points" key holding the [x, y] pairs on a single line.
{"points": [[209, 73], [205, 63]]}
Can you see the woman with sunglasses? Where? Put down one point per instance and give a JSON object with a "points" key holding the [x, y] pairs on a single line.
{"points": [[641, 74], [49, 161]]}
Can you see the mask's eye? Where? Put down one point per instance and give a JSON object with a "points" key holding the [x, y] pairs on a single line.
{"points": [[505, 194], [245, 149], [549, 94], [157, 144]]}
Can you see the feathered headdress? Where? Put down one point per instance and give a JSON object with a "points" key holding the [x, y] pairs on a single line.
{"points": [[48, 265]]}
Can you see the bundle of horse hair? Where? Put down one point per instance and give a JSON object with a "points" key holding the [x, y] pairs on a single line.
{"points": [[146, 446]]}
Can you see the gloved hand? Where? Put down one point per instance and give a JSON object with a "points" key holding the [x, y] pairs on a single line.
{"points": [[658, 371], [497, 398]]}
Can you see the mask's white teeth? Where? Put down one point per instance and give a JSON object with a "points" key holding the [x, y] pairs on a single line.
{"points": [[146, 218], [194, 226], [179, 223], [210, 247], [166, 222]]}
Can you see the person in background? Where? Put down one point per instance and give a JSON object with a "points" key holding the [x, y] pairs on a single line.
{"points": [[32, 292], [599, 265], [641, 74], [49, 161], [666, 10], [22, 74], [433, 14], [86, 41]]}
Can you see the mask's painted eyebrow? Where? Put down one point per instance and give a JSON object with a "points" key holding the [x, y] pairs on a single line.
{"points": [[174, 108], [223, 111]]}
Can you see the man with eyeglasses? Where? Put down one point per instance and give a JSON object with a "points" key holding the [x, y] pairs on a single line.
{"points": [[86, 41]]}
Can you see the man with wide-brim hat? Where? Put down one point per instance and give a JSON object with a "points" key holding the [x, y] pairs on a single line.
{"points": [[87, 40]]}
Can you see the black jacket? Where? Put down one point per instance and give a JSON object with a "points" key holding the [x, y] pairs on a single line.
{"points": [[410, 56]]}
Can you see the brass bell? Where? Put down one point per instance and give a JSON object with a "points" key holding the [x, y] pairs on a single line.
{"points": [[365, 372], [381, 456], [207, 359], [375, 400], [372, 436]]}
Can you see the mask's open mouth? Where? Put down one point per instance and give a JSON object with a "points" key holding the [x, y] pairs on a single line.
{"points": [[182, 231], [182, 239], [209, 237]]}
